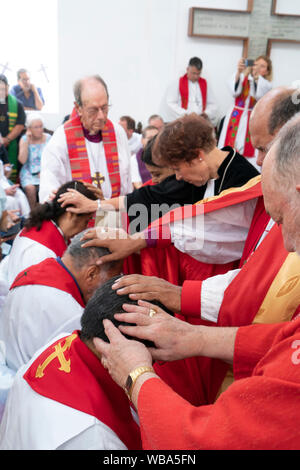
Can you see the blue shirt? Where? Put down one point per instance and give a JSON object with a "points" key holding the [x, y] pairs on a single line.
{"points": [[26, 102]]}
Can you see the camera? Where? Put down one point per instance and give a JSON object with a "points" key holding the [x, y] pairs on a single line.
{"points": [[249, 62]]}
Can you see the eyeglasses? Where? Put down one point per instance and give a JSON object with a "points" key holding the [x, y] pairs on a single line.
{"points": [[94, 110]]}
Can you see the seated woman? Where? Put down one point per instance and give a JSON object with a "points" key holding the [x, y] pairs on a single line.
{"points": [[47, 232], [30, 152], [197, 169]]}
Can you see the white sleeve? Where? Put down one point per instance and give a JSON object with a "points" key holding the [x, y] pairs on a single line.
{"points": [[173, 101], [232, 83], [124, 160], [135, 174], [212, 294], [55, 164], [263, 86], [217, 237]]}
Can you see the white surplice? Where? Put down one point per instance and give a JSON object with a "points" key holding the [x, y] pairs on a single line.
{"points": [[172, 109], [34, 422], [56, 170], [32, 316]]}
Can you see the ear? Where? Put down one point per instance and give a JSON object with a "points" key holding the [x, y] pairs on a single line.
{"points": [[92, 273], [78, 108], [201, 155]]}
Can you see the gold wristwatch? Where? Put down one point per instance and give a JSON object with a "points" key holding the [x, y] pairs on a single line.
{"points": [[133, 376]]}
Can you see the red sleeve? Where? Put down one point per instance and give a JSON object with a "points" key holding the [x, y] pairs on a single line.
{"points": [[258, 413], [191, 298], [255, 338]]}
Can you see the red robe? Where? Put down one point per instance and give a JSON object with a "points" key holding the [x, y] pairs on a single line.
{"points": [[58, 378], [260, 411], [48, 236]]}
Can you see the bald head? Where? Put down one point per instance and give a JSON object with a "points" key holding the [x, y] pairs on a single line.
{"points": [[91, 102], [259, 122]]}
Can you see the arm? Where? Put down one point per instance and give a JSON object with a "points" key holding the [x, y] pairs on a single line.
{"points": [[173, 99], [211, 107], [37, 99], [83, 205], [23, 149], [13, 134]]}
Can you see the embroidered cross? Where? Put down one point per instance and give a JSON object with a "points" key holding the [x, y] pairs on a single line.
{"points": [[98, 178], [65, 365]]}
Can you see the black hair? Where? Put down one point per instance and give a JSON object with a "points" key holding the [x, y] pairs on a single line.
{"points": [[196, 62], [53, 210], [147, 152], [104, 304]]}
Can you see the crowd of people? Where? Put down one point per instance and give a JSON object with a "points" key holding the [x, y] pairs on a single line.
{"points": [[149, 293]]}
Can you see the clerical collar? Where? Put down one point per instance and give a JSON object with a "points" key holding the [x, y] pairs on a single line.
{"points": [[59, 260], [92, 138]]}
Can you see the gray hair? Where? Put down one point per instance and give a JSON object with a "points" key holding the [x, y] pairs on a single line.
{"points": [[34, 116], [77, 89], [83, 256], [287, 152], [21, 71], [283, 110]]}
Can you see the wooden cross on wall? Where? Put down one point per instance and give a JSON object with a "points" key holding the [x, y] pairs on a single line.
{"points": [[258, 27]]}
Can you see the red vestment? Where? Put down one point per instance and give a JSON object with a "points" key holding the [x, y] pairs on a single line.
{"points": [[48, 236], [79, 380], [52, 274], [260, 411]]}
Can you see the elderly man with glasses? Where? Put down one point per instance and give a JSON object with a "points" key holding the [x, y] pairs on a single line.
{"points": [[88, 147]]}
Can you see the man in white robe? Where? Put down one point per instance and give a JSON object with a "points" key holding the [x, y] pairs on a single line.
{"points": [[198, 102], [83, 409], [91, 105], [49, 298]]}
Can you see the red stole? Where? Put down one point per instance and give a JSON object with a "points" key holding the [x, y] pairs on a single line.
{"points": [[184, 91], [48, 235], [49, 273], [69, 373], [78, 155], [234, 121]]}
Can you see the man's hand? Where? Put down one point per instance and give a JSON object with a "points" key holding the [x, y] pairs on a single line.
{"points": [[97, 191], [174, 339], [117, 241], [121, 356], [140, 287]]}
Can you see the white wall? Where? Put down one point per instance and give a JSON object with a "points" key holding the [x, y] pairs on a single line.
{"points": [[139, 46]]}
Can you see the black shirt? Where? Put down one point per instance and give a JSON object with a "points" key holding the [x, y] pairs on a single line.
{"points": [[21, 118], [233, 172]]}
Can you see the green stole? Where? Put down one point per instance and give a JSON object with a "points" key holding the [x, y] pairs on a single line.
{"points": [[13, 146]]}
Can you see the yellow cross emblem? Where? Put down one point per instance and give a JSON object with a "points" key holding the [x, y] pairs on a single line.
{"points": [[65, 365]]}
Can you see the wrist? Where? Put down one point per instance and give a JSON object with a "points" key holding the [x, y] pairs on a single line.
{"points": [[133, 377]]}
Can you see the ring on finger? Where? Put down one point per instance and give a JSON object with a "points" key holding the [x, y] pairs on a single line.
{"points": [[152, 312]]}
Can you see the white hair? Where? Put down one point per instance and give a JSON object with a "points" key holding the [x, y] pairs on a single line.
{"points": [[33, 116]]}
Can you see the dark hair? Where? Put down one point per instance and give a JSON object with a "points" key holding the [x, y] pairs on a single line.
{"points": [[104, 304], [182, 139], [283, 110], [53, 210], [130, 122], [196, 62], [147, 152], [3, 79]]}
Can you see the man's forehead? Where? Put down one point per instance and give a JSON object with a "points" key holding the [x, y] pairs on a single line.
{"points": [[93, 90]]}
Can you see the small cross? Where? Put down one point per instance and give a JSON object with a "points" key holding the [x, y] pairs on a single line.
{"points": [[98, 178], [5, 67], [43, 69]]}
